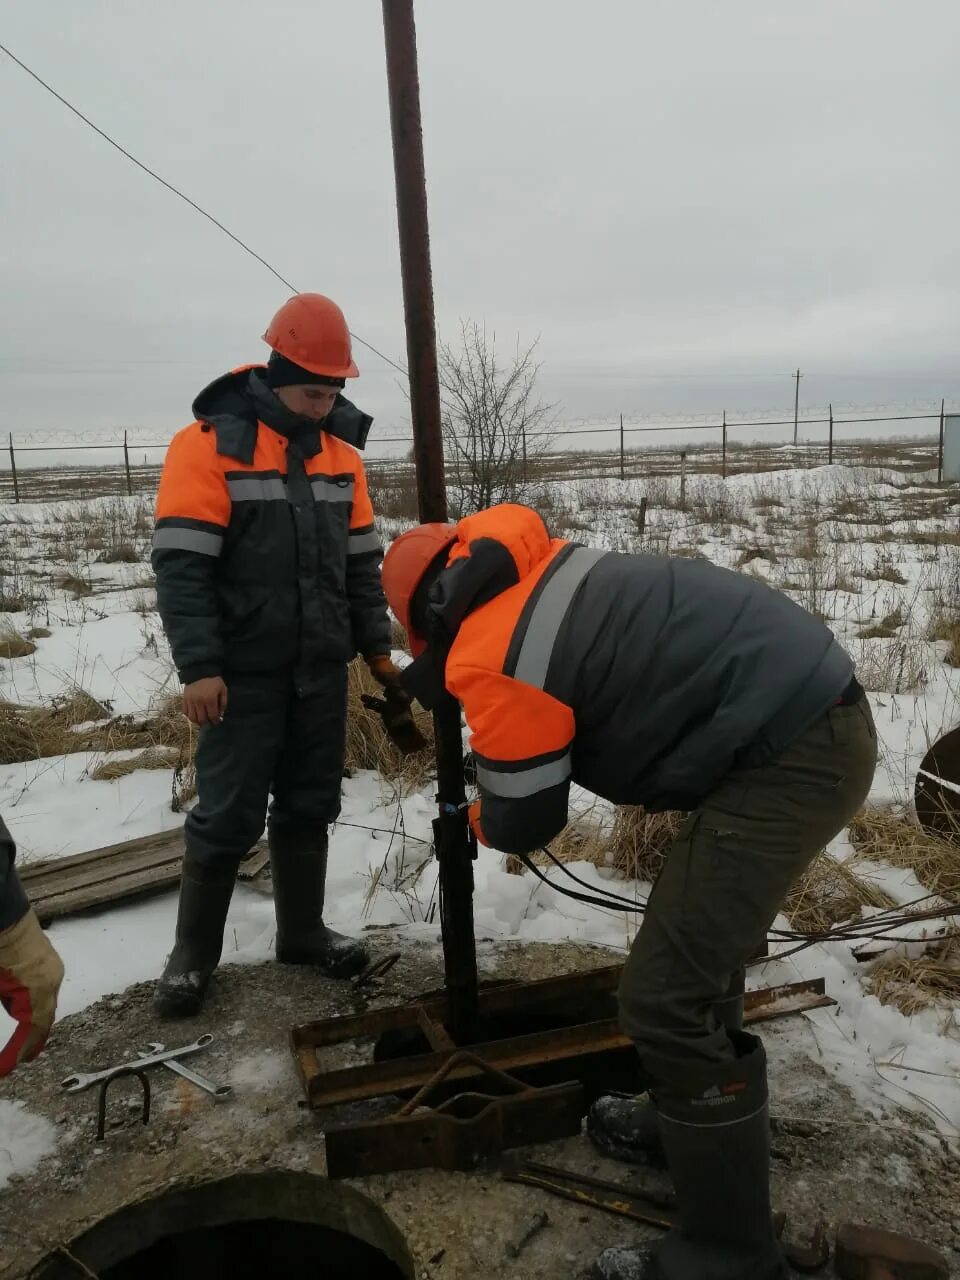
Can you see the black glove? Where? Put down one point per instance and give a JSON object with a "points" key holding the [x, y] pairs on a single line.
{"points": [[394, 709]]}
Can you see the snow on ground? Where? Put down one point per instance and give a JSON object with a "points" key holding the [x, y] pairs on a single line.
{"points": [[25, 1139], [869, 552]]}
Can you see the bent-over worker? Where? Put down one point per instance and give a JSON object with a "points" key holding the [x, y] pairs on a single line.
{"points": [[268, 585], [673, 684]]}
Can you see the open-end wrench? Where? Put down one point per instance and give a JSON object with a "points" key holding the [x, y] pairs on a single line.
{"points": [[85, 1080], [209, 1086]]}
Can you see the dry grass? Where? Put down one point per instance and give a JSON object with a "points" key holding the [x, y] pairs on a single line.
{"points": [[121, 553], [151, 758], [35, 733], [829, 893], [39, 633], [635, 846], [14, 645], [13, 604], [921, 982], [898, 665], [883, 835], [74, 585]]}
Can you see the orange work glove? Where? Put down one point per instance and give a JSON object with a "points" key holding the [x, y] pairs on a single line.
{"points": [[473, 813], [394, 707], [30, 976]]}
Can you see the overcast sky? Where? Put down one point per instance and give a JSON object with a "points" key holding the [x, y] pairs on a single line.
{"points": [[684, 201]]}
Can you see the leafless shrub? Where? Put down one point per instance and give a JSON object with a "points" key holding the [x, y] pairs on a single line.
{"points": [[493, 423]]}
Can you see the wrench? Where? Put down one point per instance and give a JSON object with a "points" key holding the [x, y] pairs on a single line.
{"points": [[217, 1090], [77, 1083]]}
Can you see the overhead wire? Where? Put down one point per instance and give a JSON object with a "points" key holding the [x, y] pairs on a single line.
{"points": [[180, 194]]}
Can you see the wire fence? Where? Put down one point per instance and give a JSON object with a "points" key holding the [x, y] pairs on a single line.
{"points": [[50, 472]]}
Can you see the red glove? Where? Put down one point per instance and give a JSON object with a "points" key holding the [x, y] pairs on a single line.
{"points": [[30, 976], [473, 813]]}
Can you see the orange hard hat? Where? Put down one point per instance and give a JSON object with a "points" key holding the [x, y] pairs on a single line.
{"points": [[404, 568], [311, 330]]}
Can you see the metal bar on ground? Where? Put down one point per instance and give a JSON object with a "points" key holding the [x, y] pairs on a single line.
{"points": [[563, 1044], [451, 833]]}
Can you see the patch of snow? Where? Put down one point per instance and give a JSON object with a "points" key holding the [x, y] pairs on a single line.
{"points": [[25, 1140]]}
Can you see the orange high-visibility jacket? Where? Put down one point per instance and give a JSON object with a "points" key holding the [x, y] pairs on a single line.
{"points": [[265, 552], [644, 679]]}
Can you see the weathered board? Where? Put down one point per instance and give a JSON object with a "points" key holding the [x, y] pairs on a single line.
{"points": [[132, 869]]}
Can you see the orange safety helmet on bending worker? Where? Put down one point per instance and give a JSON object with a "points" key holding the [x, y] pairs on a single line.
{"points": [[311, 331], [404, 568]]}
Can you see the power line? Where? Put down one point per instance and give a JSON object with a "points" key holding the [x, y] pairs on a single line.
{"points": [[177, 192]]}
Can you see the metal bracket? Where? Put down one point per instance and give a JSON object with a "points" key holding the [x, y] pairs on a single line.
{"points": [[102, 1102], [468, 1129]]}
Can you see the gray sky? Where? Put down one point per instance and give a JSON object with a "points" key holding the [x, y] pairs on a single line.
{"points": [[684, 200]]}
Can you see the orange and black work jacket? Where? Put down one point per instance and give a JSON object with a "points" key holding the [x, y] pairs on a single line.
{"points": [[643, 679], [264, 549]]}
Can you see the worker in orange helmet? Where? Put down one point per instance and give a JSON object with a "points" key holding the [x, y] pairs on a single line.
{"points": [[674, 684], [268, 585]]}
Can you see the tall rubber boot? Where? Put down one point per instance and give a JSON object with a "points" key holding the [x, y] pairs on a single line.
{"points": [[205, 894], [298, 866], [624, 1126], [715, 1131]]}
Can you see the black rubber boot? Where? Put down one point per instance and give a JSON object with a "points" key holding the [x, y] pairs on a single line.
{"points": [[205, 894], [624, 1125], [716, 1136], [298, 867]]}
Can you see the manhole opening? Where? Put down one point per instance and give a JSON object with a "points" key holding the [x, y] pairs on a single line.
{"points": [[247, 1227], [254, 1250]]}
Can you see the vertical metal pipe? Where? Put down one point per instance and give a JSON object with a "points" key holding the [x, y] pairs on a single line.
{"points": [[453, 845], [796, 410], [126, 464], [940, 448], [724, 464], [623, 475], [830, 447], [13, 470]]}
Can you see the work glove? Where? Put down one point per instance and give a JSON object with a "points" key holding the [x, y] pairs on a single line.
{"points": [[30, 976], [394, 707]]}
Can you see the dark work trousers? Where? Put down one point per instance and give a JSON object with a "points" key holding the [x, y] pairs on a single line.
{"points": [[270, 741], [724, 881]]}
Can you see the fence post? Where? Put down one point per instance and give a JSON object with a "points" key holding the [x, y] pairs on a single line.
{"points": [[683, 479], [523, 436], [13, 471], [623, 474], [642, 518], [724, 468], [126, 464], [830, 446], [940, 449]]}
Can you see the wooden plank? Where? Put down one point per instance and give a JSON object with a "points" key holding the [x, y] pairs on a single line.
{"points": [[133, 868]]}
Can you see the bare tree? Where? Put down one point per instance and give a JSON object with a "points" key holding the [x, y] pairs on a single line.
{"points": [[494, 427]]}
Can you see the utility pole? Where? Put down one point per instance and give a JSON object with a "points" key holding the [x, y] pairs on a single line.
{"points": [[454, 848], [796, 410]]}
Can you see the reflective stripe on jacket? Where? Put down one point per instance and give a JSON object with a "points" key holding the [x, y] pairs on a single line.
{"points": [[644, 679], [264, 548]]}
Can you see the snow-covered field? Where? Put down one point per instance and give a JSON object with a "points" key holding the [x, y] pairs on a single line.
{"points": [[876, 554]]}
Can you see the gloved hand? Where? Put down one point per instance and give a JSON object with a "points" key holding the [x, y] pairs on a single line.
{"points": [[30, 976], [394, 707], [473, 814]]}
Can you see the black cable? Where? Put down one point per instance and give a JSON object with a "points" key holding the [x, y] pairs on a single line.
{"points": [[170, 187], [615, 898], [569, 893]]}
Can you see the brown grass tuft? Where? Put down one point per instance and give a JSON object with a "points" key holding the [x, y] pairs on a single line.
{"points": [[922, 982], [76, 586], [151, 758], [883, 835], [829, 893], [36, 733], [14, 645], [120, 553]]}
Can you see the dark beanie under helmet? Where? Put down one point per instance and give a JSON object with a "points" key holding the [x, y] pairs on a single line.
{"points": [[282, 372]]}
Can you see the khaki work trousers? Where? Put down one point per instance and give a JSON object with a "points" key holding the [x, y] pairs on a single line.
{"points": [[724, 881]]}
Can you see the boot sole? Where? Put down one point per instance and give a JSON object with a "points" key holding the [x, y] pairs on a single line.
{"points": [[642, 1157], [302, 960]]}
